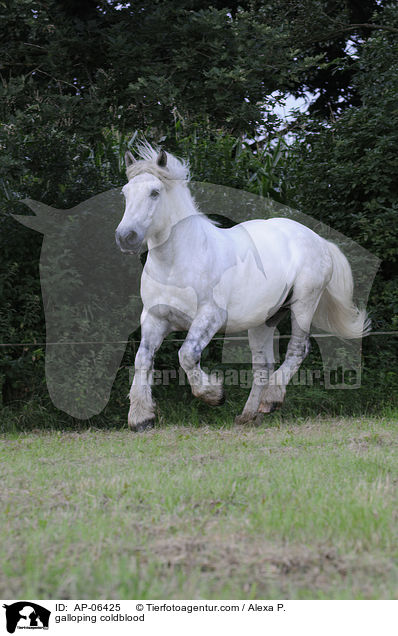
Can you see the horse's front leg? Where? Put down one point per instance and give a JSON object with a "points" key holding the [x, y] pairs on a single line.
{"points": [[142, 407], [205, 325]]}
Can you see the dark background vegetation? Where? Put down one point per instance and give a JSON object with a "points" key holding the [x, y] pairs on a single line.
{"points": [[79, 78]]}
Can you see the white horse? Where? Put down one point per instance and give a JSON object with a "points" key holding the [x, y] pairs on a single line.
{"points": [[204, 279]]}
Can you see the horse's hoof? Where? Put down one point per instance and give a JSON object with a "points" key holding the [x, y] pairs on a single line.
{"points": [[145, 425], [240, 420], [244, 418], [269, 407], [251, 419], [216, 397], [222, 398]]}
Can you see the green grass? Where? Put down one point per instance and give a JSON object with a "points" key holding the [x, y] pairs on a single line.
{"points": [[301, 509]]}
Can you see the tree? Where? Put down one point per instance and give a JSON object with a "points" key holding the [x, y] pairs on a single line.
{"points": [[139, 65], [344, 170]]}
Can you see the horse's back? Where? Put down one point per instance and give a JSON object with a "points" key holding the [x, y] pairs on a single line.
{"points": [[288, 245], [282, 233]]}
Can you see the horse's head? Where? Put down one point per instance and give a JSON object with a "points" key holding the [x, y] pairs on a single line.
{"points": [[144, 194]]}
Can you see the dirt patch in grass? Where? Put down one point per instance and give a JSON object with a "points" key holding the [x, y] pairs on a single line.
{"points": [[264, 570]]}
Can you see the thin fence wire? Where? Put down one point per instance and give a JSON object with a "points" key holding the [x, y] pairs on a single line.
{"points": [[228, 338]]}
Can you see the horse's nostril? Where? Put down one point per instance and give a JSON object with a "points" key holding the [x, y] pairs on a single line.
{"points": [[127, 241], [131, 237]]}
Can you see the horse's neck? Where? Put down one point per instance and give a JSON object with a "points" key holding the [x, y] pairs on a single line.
{"points": [[179, 206]]}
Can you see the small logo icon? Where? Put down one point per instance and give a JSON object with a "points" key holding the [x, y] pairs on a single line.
{"points": [[26, 615]]}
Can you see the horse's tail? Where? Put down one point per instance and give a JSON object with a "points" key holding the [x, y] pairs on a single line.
{"points": [[336, 311]]}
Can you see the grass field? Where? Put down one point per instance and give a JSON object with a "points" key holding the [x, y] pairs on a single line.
{"points": [[300, 509]]}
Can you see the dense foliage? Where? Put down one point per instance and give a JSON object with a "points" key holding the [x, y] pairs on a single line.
{"points": [[345, 172], [78, 78]]}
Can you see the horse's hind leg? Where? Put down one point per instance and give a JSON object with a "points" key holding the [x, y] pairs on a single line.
{"points": [[302, 311], [261, 342]]}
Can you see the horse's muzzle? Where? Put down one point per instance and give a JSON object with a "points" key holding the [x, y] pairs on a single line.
{"points": [[128, 242]]}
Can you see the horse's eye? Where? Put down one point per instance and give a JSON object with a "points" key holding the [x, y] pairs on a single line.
{"points": [[154, 194]]}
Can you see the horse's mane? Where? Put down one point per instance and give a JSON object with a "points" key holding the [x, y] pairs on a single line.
{"points": [[175, 170]]}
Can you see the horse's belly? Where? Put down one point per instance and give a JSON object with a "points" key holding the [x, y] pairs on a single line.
{"points": [[246, 310]]}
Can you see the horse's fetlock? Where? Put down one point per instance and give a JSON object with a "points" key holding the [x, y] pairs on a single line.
{"points": [[188, 358]]}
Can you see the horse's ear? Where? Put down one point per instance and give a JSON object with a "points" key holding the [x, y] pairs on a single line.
{"points": [[162, 159], [128, 159]]}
